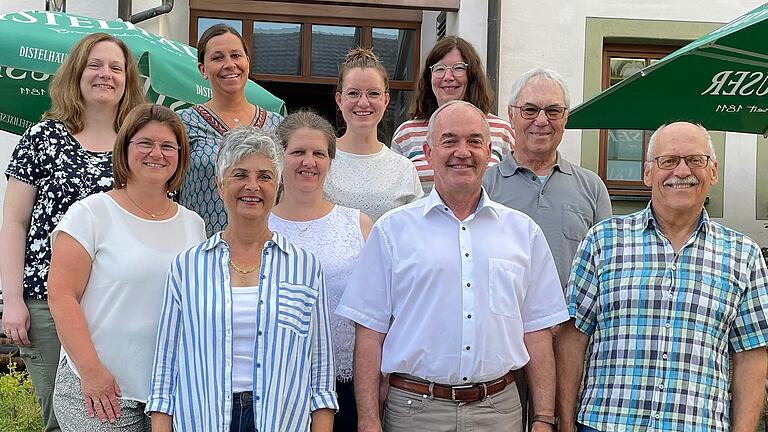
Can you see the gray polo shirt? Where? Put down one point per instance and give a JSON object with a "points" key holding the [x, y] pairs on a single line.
{"points": [[569, 202]]}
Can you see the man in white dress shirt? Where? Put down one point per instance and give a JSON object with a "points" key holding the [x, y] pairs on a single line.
{"points": [[451, 293]]}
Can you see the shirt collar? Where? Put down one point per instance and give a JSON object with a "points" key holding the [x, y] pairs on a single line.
{"points": [[277, 240], [433, 200], [649, 219], [509, 166]]}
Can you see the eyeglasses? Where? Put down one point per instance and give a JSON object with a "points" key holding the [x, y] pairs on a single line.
{"points": [[670, 162], [530, 112], [167, 148], [355, 94], [459, 69]]}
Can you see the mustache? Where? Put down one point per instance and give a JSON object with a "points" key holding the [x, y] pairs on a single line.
{"points": [[690, 180]]}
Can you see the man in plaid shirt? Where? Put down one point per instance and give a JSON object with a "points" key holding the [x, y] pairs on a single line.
{"points": [[658, 299]]}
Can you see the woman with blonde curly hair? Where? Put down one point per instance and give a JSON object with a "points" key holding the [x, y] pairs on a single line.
{"points": [[62, 159]]}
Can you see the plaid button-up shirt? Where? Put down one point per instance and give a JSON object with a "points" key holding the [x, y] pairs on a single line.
{"points": [[661, 323]]}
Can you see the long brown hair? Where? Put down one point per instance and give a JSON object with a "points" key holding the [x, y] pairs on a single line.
{"points": [[478, 92], [67, 99]]}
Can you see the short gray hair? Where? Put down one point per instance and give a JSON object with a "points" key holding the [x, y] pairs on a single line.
{"points": [[431, 128], [539, 72], [655, 138], [246, 141]]}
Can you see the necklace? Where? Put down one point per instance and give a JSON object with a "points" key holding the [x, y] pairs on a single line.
{"points": [[152, 215], [307, 226], [235, 117], [242, 271]]}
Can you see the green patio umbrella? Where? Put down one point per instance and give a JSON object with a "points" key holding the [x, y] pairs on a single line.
{"points": [[34, 44], [719, 80]]}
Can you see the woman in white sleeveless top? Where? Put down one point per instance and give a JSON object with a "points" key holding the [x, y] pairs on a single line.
{"points": [[111, 254], [333, 233]]}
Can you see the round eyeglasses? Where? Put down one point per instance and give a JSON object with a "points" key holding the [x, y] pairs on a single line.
{"points": [[458, 69], [145, 146], [355, 94]]}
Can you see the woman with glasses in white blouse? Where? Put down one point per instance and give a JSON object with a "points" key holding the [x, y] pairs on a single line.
{"points": [[111, 253]]}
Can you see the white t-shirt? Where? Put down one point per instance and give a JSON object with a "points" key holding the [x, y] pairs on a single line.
{"points": [[373, 184], [122, 300]]}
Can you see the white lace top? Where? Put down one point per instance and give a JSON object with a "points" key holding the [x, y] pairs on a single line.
{"points": [[335, 239], [374, 183]]}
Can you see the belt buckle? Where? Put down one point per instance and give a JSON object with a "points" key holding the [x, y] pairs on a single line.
{"points": [[459, 387]]}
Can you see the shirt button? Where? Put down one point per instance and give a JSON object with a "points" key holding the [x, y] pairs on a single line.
{"points": [[266, 252], [661, 387], [674, 267], [229, 397], [463, 228], [263, 276], [466, 254], [464, 379], [467, 347], [469, 316], [259, 333], [664, 356], [667, 325], [261, 302], [658, 416], [469, 284], [445, 208], [257, 397], [670, 295], [258, 365]]}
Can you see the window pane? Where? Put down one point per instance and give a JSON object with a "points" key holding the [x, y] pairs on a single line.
{"points": [[396, 113], [329, 46], [204, 24], [276, 48], [625, 155], [395, 48], [624, 67]]}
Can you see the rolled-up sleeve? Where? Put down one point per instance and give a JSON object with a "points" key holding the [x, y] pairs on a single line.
{"points": [[162, 391], [323, 370]]}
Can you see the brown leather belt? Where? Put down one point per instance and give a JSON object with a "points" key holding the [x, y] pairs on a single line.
{"points": [[458, 393]]}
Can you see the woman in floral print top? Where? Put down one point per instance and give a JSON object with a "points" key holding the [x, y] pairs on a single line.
{"points": [[57, 162]]}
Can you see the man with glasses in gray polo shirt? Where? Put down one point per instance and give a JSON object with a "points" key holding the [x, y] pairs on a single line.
{"points": [[565, 200]]}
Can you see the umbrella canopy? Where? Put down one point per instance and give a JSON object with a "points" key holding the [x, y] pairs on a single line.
{"points": [[719, 80], [34, 44]]}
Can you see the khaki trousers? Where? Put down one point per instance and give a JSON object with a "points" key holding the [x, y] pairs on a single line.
{"points": [[408, 412]]}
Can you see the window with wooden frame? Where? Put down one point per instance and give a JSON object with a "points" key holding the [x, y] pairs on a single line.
{"points": [[622, 151], [297, 58]]}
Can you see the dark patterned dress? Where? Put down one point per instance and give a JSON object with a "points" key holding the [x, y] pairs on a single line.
{"points": [[49, 158]]}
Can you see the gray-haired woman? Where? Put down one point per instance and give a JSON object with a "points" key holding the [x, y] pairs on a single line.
{"points": [[245, 325]]}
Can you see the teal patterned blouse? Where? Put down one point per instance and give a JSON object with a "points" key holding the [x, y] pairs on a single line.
{"points": [[198, 192]]}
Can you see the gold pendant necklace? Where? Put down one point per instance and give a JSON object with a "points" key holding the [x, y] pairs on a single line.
{"points": [[242, 271], [152, 215]]}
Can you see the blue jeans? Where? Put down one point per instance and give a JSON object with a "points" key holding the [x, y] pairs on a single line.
{"points": [[242, 413], [582, 428]]}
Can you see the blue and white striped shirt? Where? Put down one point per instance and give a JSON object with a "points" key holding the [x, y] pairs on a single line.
{"points": [[293, 361]]}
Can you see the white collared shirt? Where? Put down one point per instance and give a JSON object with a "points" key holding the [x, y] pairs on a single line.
{"points": [[454, 297]]}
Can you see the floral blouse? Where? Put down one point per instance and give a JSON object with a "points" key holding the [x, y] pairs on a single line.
{"points": [[49, 158]]}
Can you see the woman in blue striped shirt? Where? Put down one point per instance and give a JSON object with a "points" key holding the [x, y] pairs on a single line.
{"points": [[244, 342]]}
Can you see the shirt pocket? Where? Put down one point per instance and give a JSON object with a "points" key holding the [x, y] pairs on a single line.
{"points": [[295, 303], [505, 281], [576, 221]]}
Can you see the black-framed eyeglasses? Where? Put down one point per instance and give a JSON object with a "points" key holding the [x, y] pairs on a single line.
{"points": [[167, 148], [670, 162], [530, 112], [355, 94], [458, 69]]}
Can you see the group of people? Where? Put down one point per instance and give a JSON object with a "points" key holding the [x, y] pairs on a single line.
{"points": [[225, 268]]}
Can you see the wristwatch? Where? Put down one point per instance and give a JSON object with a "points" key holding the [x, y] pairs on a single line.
{"points": [[552, 420]]}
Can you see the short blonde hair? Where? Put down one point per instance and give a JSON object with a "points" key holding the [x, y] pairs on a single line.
{"points": [[66, 97], [134, 122]]}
